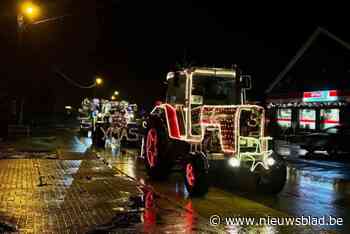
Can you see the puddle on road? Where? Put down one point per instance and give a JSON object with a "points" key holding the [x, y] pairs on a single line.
{"points": [[148, 213], [325, 174], [80, 144], [73, 170]]}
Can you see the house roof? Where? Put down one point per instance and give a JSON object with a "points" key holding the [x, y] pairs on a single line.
{"points": [[300, 53]]}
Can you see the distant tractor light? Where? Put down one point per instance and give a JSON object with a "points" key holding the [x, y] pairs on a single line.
{"points": [[234, 162], [68, 107], [116, 93], [113, 97], [270, 161]]}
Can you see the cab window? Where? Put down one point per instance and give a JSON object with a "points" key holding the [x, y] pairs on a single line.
{"points": [[176, 90]]}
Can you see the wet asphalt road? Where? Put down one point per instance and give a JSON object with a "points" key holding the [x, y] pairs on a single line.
{"points": [[314, 188]]}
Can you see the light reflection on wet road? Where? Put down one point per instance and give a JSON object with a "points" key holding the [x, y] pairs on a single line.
{"points": [[313, 188]]}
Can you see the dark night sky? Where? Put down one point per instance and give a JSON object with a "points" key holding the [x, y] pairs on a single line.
{"points": [[132, 44]]}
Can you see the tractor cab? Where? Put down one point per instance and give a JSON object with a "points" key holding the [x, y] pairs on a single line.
{"points": [[207, 86], [195, 93]]}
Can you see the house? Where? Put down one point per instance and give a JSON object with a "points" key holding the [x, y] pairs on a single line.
{"points": [[313, 91]]}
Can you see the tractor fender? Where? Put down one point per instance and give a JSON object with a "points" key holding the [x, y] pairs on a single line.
{"points": [[155, 120], [177, 148], [167, 114]]}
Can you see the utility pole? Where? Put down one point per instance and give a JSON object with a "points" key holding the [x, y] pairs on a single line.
{"points": [[27, 12], [20, 53]]}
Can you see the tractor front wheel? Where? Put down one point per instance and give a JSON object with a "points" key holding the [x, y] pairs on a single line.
{"points": [[196, 176], [272, 180]]}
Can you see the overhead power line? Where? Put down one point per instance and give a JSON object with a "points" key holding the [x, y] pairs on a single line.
{"points": [[71, 81]]}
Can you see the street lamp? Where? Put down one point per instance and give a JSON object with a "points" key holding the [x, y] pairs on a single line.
{"points": [[29, 10], [116, 93], [113, 97], [98, 81]]}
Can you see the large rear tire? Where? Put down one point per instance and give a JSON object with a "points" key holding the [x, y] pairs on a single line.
{"points": [[158, 160], [196, 176]]}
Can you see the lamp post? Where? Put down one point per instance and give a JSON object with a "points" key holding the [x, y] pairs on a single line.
{"points": [[28, 13], [98, 82]]}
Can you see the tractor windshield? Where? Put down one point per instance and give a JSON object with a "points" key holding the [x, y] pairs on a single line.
{"points": [[213, 90]]}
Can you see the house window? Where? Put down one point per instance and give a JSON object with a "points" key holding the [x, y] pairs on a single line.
{"points": [[284, 118], [307, 118], [329, 118]]}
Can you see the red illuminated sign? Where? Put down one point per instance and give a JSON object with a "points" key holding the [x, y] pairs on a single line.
{"points": [[320, 96]]}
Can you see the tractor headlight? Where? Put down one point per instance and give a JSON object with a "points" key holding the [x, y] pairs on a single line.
{"points": [[270, 161], [234, 162]]}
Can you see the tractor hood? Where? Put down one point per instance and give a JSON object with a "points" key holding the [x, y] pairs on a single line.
{"points": [[232, 121]]}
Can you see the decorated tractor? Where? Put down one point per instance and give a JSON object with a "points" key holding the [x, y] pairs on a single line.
{"points": [[205, 119], [85, 116], [111, 123]]}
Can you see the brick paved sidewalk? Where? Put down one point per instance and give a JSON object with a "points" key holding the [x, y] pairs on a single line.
{"points": [[74, 192], [84, 196], [60, 196]]}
